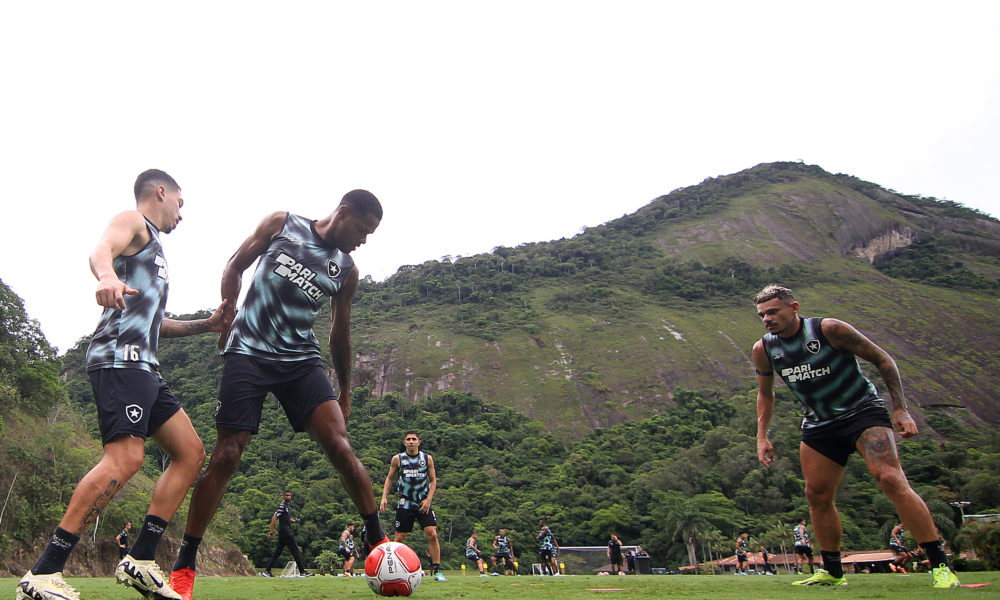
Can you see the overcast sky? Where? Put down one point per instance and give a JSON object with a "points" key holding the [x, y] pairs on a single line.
{"points": [[476, 123]]}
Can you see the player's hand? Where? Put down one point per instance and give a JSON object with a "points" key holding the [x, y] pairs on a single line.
{"points": [[269, 535], [344, 400], [111, 292], [218, 321], [425, 506], [765, 451], [904, 423], [381, 505]]}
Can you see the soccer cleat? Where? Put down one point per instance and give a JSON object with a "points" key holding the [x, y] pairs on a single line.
{"points": [[306, 574], [821, 577], [266, 574], [944, 577], [182, 582], [146, 577], [44, 587], [439, 576]]}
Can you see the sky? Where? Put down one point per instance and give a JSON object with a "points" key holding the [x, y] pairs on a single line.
{"points": [[476, 123]]}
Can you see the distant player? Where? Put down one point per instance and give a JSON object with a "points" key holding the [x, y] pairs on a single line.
{"points": [[416, 487], [742, 545], [548, 549], [122, 540], [286, 539], [818, 360], [473, 554], [615, 554], [347, 550], [803, 547], [503, 551], [271, 347], [766, 557], [901, 555], [133, 401]]}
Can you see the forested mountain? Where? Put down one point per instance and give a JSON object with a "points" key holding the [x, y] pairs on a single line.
{"points": [[603, 381]]}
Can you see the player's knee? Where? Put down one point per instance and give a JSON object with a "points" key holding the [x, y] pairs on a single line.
{"points": [[432, 534], [819, 496], [892, 482], [226, 458]]}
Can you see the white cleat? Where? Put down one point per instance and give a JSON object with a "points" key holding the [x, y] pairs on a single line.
{"points": [[146, 577], [45, 587]]}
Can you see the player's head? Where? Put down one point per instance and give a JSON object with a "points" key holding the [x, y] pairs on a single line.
{"points": [[474, 534], [777, 309], [802, 521], [411, 440], [357, 216], [159, 198], [542, 522], [128, 525], [351, 526], [287, 495], [503, 532]]}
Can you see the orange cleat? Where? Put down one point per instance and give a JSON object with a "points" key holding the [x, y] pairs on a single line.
{"points": [[182, 582]]}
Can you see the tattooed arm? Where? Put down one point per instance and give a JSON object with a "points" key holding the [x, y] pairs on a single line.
{"points": [[172, 328], [843, 336], [765, 402]]}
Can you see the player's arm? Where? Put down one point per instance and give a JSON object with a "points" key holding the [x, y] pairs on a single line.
{"points": [[118, 539], [125, 234], [765, 401], [274, 519], [425, 505], [843, 336], [172, 328], [340, 339], [393, 468], [250, 250]]}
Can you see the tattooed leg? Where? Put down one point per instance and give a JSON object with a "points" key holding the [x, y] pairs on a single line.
{"points": [[878, 446], [122, 458]]}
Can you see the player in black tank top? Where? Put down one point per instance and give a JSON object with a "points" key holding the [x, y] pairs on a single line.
{"points": [[817, 367]]}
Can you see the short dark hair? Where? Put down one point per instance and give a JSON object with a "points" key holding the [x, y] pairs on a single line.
{"points": [[151, 178], [413, 432], [774, 291], [286, 492], [362, 202]]}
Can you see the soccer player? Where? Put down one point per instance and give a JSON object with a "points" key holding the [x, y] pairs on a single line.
{"points": [[416, 487], [803, 547], [504, 551], [270, 347], [283, 517], [766, 557], [122, 540], [347, 550], [472, 553], [818, 359], [615, 554], [548, 549], [133, 402], [899, 551], [741, 554]]}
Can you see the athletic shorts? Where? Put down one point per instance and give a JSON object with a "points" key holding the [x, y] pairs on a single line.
{"points": [[406, 516], [545, 553], [838, 441], [503, 555], [300, 386], [473, 557], [899, 549], [345, 552], [131, 402], [741, 556], [804, 550]]}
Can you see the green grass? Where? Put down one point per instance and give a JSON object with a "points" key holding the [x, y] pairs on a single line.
{"points": [[719, 587]]}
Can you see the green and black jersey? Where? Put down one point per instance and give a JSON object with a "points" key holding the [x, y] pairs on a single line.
{"points": [[128, 338], [828, 382]]}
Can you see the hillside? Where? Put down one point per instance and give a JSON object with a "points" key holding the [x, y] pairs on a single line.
{"points": [[603, 327]]}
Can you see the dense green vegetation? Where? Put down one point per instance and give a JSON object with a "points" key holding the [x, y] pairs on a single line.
{"points": [[928, 261]]}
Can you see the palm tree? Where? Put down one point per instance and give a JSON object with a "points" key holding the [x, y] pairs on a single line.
{"points": [[685, 521]]}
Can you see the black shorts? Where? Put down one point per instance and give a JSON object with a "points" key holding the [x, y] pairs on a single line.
{"points": [[406, 516], [838, 441], [896, 549], [503, 555], [545, 553], [131, 402], [300, 386], [804, 550], [473, 557], [345, 552], [741, 557]]}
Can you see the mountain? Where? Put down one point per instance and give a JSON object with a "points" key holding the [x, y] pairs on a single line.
{"points": [[604, 327]]}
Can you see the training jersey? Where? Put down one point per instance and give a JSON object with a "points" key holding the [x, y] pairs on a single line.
{"points": [[294, 277], [896, 538], [801, 535], [741, 546], [828, 382], [546, 541], [347, 543], [413, 484], [503, 544], [284, 515], [615, 548], [470, 549], [127, 338], [124, 537]]}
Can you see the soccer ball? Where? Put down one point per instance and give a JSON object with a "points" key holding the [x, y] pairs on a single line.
{"points": [[393, 569]]}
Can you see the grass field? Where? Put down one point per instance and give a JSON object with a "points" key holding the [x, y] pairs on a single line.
{"points": [[644, 587]]}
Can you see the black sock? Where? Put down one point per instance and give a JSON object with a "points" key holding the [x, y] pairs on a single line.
{"points": [[188, 553], [373, 529], [831, 562], [935, 554], [148, 539], [435, 567], [53, 558]]}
